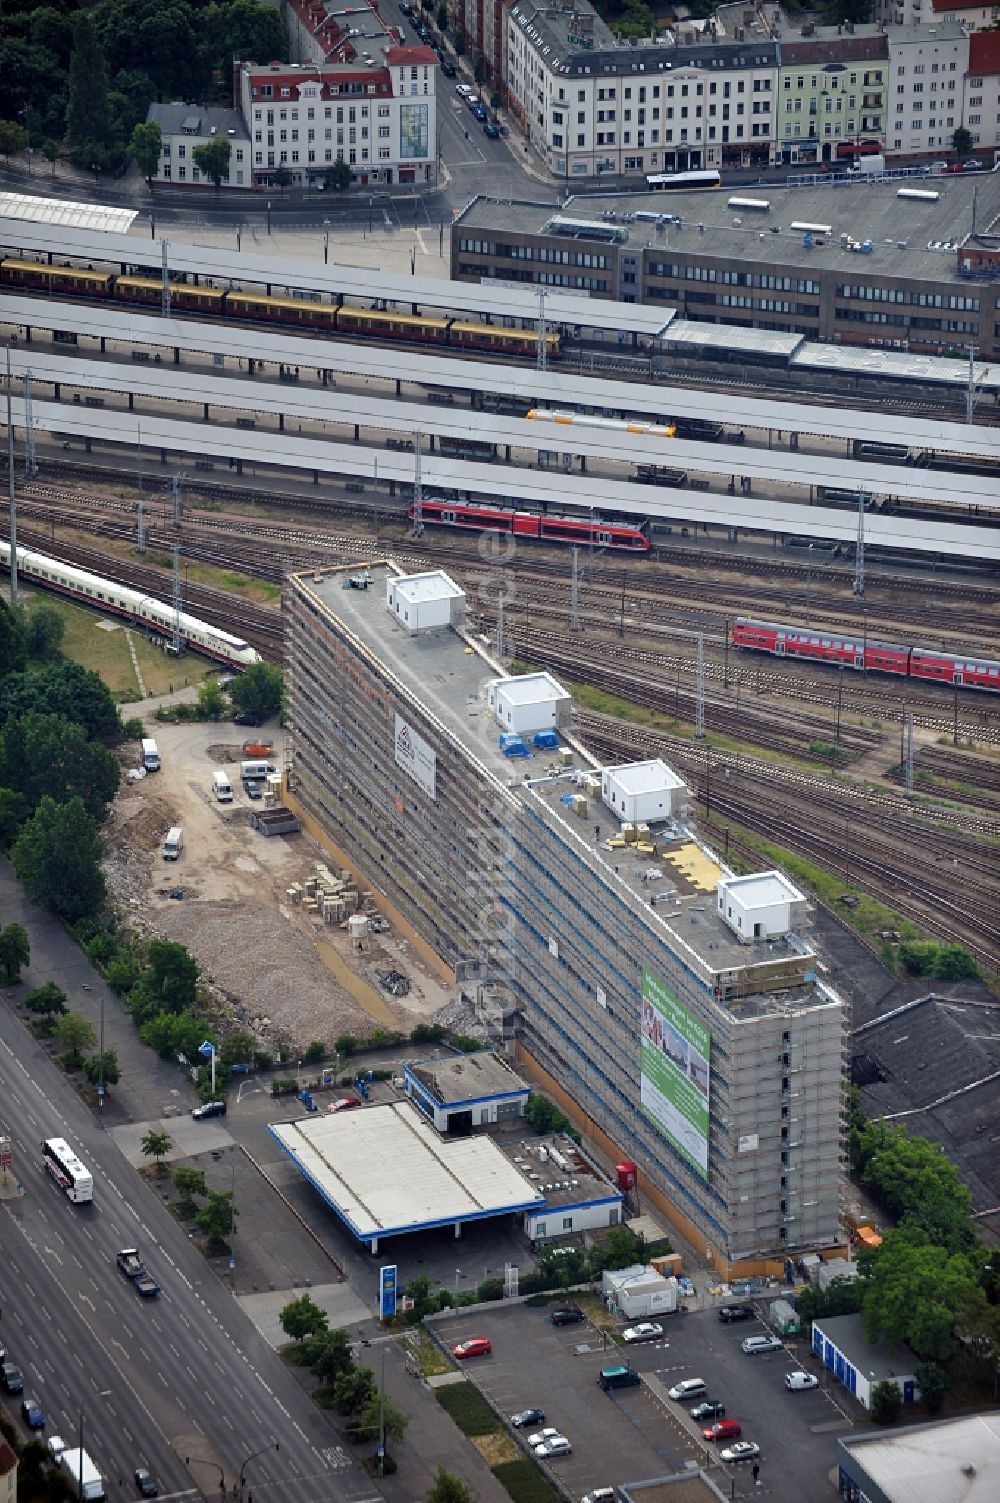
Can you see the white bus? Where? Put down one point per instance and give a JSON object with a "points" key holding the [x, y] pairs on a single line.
{"points": [[661, 181], [67, 1170]]}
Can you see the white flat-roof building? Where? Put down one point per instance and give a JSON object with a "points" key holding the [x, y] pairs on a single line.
{"points": [[760, 906], [423, 602], [643, 791], [527, 703], [950, 1461]]}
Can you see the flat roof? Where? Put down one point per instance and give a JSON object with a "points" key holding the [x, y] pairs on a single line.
{"points": [[644, 777], [62, 211], [763, 889], [434, 585], [575, 1181], [876, 1359], [453, 1079], [951, 1461], [733, 337], [385, 1170], [531, 689]]}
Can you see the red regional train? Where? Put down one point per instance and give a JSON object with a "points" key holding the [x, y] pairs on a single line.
{"points": [[630, 537], [877, 657]]}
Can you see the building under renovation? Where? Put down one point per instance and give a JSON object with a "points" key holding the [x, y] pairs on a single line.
{"points": [[671, 1006]]}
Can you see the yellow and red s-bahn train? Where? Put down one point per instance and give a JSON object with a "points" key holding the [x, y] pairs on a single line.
{"points": [[311, 315]]}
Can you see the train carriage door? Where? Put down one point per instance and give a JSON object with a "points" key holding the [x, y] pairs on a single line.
{"points": [[603, 539], [450, 517], [958, 677], [779, 647], [859, 659]]}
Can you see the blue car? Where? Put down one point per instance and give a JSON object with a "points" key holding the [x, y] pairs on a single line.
{"points": [[480, 113], [33, 1414]]}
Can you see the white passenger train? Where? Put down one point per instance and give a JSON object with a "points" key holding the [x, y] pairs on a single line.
{"points": [[146, 611], [620, 425]]}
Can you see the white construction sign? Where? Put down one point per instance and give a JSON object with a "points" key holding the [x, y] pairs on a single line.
{"points": [[415, 757]]}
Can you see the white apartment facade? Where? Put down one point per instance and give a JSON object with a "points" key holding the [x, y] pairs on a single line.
{"points": [[183, 128], [981, 108], [379, 116], [927, 70], [591, 107]]}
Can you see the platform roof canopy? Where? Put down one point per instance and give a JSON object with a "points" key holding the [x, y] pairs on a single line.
{"points": [[75, 216], [385, 1171]]}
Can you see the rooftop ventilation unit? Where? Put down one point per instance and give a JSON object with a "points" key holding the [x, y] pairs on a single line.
{"points": [[760, 205]]}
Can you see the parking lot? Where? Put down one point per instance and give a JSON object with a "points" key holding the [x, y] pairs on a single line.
{"points": [[632, 1434]]}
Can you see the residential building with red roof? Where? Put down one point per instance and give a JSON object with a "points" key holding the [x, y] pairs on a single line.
{"points": [[981, 108]]}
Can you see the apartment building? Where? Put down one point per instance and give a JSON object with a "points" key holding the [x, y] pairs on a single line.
{"points": [[671, 1007], [592, 106], [378, 114], [831, 98], [184, 127], [927, 68], [848, 264], [981, 99]]}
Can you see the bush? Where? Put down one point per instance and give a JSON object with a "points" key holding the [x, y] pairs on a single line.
{"points": [[133, 730], [428, 1033], [262, 1060], [102, 948], [284, 1087], [467, 1045], [384, 1038], [346, 1045], [490, 1289], [887, 1402], [315, 1053]]}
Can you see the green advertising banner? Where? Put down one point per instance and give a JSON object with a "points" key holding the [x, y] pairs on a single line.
{"points": [[674, 1065]]}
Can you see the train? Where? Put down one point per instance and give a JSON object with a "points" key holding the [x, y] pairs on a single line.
{"points": [[152, 615], [666, 429], [545, 527], [308, 313], [865, 655]]}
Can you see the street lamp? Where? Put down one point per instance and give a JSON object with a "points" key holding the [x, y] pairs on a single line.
{"points": [[274, 1446], [326, 243], [26, 117], [95, 169], [200, 1461]]}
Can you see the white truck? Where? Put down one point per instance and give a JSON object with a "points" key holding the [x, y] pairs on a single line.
{"points": [[873, 166], [85, 1480], [150, 755], [173, 844], [222, 787]]}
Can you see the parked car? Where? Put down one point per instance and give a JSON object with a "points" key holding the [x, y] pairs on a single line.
{"points": [[491, 129], [12, 1377], [743, 1450], [145, 1482], [599, 1495], [723, 1430], [406, 10], [541, 1436], [646, 1330], [736, 1312], [209, 1109], [799, 1381], [33, 1414], [710, 1409], [476, 1346], [480, 113], [557, 1446], [972, 165], [247, 717], [755, 1346], [447, 68], [566, 1315], [688, 1388], [525, 1417], [56, 1446], [345, 1104], [464, 90]]}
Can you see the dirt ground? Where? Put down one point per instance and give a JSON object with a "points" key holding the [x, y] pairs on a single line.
{"points": [[292, 978]]}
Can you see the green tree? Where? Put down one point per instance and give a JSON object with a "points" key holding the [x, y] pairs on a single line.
{"points": [[447, 1488], [258, 690], [12, 652], [282, 177], [251, 31], [145, 147], [332, 1356], [112, 1070], [172, 974], [339, 177], [170, 1033], [479, 69], [57, 856], [63, 689], [216, 1218], [122, 973], [75, 1033], [188, 1182], [12, 138], [87, 101], [961, 142], [211, 700], [160, 39], [622, 1247], [351, 1389], [44, 627], [933, 1382], [379, 1415], [916, 1292], [212, 159], [442, 21], [156, 1144], [48, 754], [840, 1297], [238, 1049], [303, 1317], [886, 1402], [47, 1000], [14, 810], [15, 952]]}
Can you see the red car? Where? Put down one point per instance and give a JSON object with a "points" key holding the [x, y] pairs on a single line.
{"points": [[344, 1104], [476, 1346], [723, 1430]]}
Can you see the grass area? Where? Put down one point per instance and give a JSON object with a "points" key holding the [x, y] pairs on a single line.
{"points": [[468, 1409], [495, 1449], [87, 642], [429, 1359], [524, 1482]]}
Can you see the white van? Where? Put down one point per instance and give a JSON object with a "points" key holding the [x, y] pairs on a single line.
{"points": [[173, 843], [150, 755], [688, 1388], [222, 786], [259, 768]]}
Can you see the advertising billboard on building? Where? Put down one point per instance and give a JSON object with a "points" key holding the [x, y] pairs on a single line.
{"points": [[415, 757], [673, 1074]]}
